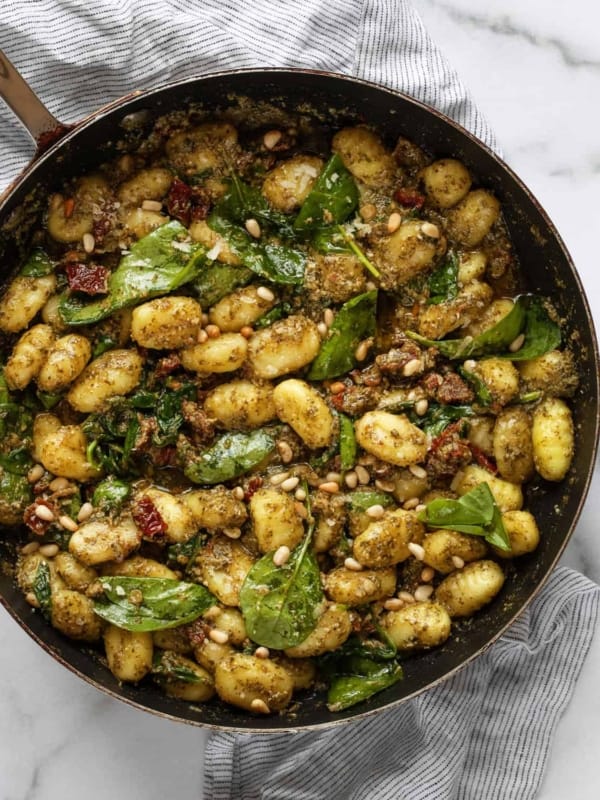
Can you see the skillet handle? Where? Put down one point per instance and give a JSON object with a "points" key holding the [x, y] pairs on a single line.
{"points": [[43, 127]]}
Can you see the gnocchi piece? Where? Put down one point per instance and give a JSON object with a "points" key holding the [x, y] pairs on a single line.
{"points": [[147, 184], [353, 588], [65, 362], [129, 654], [241, 404], [418, 626], [217, 245], [490, 316], [215, 508], [205, 148], [72, 613], [523, 534], [407, 485], [240, 309], [175, 513], [77, 576], [140, 221], [385, 542], [27, 570], [28, 356], [507, 495], [113, 374], [442, 545], [365, 156], [62, 449], [554, 373], [226, 353], [513, 445], [333, 627], [501, 378], [553, 438], [229, 620], [285, 346], [166, 323], [329, 512], [69, 219], [481, 433], [288, 185], [208, 653], [446, 182], [241, 679], [22, 301], [274, 519], [467, 590], [174, 639], [406, 253], [102, 540], [471, 266], [471, 220], [51, 314], [391, 437], [438, 320], [335, 277], [303, 408], [222, 567], [138, 567], [301, 670], [201, 689]]}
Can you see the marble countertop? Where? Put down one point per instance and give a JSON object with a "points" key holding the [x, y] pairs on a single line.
{"points": [[533, 68]]}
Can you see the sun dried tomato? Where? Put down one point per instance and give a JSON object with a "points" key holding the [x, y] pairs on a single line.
{"points": [[179, 201], [87, 278], [254, 485], [35, 523], [484, 461], [408, 198], [167, 365], [148, 519]]}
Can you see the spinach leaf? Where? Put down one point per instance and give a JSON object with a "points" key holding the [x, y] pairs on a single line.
{"points": [[361, 499], [276, 313], [183, 554], [169, 666], [48, 399], [369, 678], [216, 280], [110, 494], [37, 265], [157, 264], [332, 199], [15, 494], [330, 241], [355, 321], [348, 445], [443, 281], [42, 590], [541, 333], [354, 248], [166, 603], [231, 456], [438, 417], [169, 414], [482, 393], [102, 344], [17, 461], [475, 513], [529, 397], [244, 202], [111, 435], [280, 604]]}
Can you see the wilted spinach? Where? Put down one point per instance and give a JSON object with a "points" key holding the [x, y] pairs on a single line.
{"points": [[443, 281], [276, 313], [216, 280], [348, 445], [110, 494], [332, 199], [42, 589], [37, 265], [169, 666], [361, 499], [438, 417], [165, 602], [231, 456], [482, 393]]}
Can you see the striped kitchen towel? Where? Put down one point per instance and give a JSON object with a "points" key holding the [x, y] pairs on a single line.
{"points": [[486, 732]]}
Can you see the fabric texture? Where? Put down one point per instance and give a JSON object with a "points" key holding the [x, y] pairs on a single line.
{"points": [[486, 732]]}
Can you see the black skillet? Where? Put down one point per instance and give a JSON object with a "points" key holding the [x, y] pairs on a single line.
{"points": [[330, 100]]}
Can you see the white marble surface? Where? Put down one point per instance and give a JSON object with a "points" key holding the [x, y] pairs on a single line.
{"points": [[535, 71]]}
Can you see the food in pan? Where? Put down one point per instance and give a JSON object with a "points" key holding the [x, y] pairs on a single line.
{"points": [[269, 405]]}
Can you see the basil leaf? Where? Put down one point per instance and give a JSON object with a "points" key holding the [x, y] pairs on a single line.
{"points": [[217, 280], [371, 677], [154, 266], [37, 265], [475, 513], [443, 281], [41, 589], [541, 333], [110, 494], [280, 604], [355, 321], [332, 199], [166, 603], [361, 499], [348, 445], [231, 456], [170, 666]]}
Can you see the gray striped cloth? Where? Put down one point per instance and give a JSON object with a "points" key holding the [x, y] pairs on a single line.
{"points": [[486, 732]]}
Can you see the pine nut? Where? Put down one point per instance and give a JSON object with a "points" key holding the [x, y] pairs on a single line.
{"points": [[265, 294], [202, 336], [337, 387], [417, 551], [517, 343], [32, 600], [260, 706], [351, 479], [393, 222], [375, 512], [412, 367], [417, 471], [322, 328], [470, 365], [262, 652], [368, 212], [279, 477], [427, 574], [334, 476], [152, 205], [271, 139], [85, 512], [44, 513], [58, 484], [420, 507], [407, 597], [458, 562], [29, 548], [285, 452], [49, 550], [421, 406], [246, 331], [213, 331], [353, 565], [232, 533], [218, 636], [238, 493], [423, 593], [35, 473], [385, 486], [67, 523], [289, 484], [301, 510], [300, 494], [412, 502], [281, 555], [205, 319], [328, 317], [253, 228], [431, 230], [393, 604], [329, 486], [88, 242], [362, 474], [362, 350]]}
